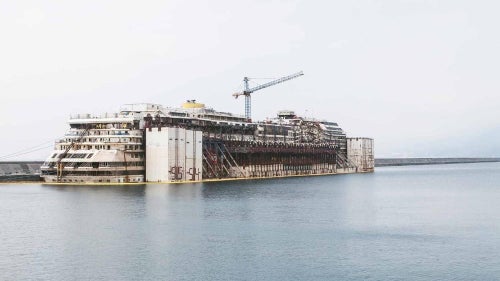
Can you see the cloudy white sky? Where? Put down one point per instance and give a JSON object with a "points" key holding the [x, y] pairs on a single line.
{"points": [[421, 77]]}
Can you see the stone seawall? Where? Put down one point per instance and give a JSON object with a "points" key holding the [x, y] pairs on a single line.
{"points": [[20, 171]]}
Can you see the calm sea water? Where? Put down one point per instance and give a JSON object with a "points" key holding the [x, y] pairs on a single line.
{"points": [[400, 223]]}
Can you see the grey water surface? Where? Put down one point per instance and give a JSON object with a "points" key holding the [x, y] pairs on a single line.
{"points": [[439, 222]]}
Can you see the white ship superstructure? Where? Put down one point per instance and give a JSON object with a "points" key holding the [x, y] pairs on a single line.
{"points": [[288, 127], [99, 149]]}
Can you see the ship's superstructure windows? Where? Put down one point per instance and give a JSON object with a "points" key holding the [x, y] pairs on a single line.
{"points": [[178, 114]]}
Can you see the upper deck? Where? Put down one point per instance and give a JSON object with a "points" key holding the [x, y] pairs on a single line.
{"points": [[132, 116]]}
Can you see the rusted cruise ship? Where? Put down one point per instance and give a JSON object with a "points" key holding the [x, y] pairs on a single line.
{"points": [[152, 143]]}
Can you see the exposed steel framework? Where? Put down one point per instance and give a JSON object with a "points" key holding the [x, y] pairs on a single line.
{"points": [[235, 151]]}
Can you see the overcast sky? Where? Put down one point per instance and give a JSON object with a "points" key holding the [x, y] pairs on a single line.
{"points": [[420, 77]]}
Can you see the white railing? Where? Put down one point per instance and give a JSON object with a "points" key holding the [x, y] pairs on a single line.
{"points": [[94, 116]]}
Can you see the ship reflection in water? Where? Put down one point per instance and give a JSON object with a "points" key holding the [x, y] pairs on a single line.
{"points": [[413, 223]]}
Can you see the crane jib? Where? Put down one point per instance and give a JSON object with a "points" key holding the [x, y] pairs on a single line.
{"points": [[274, 82]]}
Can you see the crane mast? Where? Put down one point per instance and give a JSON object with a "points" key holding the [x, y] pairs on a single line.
{"points": [[248, 91]]}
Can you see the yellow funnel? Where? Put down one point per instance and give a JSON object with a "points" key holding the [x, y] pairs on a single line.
{"points": [[193, 104]]}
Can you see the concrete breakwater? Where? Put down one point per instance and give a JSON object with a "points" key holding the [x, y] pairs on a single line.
{"points": [[20, 171], [381, 162]]}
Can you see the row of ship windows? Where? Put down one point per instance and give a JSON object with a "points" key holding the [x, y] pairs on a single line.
{"points": [[297, 136], [224, 118], [102, 147], [101, 173], [293, 135], [109, 164], [108, 180], [99, 133], [89, 155], [138, 140], [121, 164], [96, 165], [73, 155]]}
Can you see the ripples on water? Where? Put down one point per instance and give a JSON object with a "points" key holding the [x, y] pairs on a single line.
{"points": [[402, 223]]}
